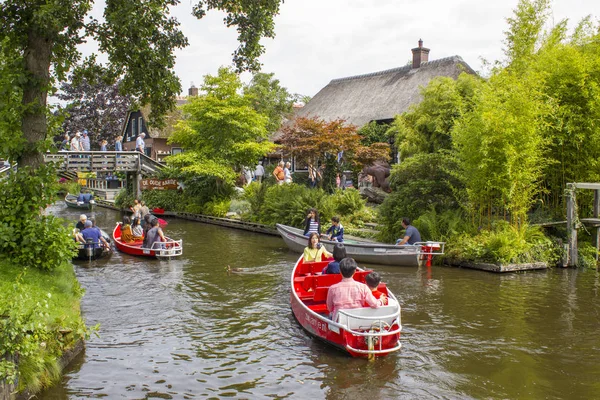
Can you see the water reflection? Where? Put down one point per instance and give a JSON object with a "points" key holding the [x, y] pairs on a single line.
{"points": [[185, 329]]}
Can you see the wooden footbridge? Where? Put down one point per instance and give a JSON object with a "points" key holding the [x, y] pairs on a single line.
{"points": [[133, 163]]}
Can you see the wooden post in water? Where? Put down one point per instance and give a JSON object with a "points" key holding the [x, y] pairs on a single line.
{"points": [[596, 214], [571, 225]]}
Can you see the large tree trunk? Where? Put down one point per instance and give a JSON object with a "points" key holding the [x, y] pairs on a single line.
{"points": [[37, 56]]}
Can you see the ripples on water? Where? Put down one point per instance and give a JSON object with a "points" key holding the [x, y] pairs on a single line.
{"points": [[185, 329]]}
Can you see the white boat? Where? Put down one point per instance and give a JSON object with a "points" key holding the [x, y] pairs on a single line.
{"points": [[366, 251]]}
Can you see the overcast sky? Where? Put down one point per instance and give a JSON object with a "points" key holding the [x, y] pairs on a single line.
{"points": [[320, 40]]}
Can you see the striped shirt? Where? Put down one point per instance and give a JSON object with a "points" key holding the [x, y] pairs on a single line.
{"points": [[313, 227]]}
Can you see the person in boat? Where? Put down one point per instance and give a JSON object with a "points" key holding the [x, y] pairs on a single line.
{"points": [[137, 230], [94, 235], [147, 223], [143, 211], [135, 209], [336, 230], [155, 235], [81, 223], [312, 223], [339, 253], [315, 251], [411, 236], [350, 293], [373, 280], [126, 233]]}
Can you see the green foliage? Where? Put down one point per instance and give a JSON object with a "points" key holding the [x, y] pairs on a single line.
{"points": [[124, 199], [166, 199], [287, 204], [69, 187], [40, 320], [499, 146], [26, 237], [427, 126], [419, 184], [221, 131], [375, 133], [441, 226], [216, 208], [586, 256], [269, 98], [505, 243]]}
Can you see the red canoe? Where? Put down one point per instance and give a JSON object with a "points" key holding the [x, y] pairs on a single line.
{"points": [[361, 332], [172, 248]]}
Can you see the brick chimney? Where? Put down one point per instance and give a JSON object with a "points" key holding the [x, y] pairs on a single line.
{"points": [[420, 55], [193, 90]]}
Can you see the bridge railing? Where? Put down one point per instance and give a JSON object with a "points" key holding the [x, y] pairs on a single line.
{"points": [[93, 161]]}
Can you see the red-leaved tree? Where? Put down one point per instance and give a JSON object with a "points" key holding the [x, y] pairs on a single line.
{"points": [[332, 145]]}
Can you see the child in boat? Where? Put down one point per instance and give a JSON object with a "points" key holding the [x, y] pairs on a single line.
{"points": [[137, 230], [339, 253], [312, 223], [315, 252], [336, 230], [373, 279], [126, 233]]}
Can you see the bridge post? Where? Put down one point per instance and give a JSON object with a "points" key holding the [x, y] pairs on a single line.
{"points": [[571, 225], [596, 214]]}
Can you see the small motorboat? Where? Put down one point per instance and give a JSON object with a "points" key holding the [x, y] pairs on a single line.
{"points": [[89, 252], [71, 201], [360, 332], [364, 251], [168, 249]]}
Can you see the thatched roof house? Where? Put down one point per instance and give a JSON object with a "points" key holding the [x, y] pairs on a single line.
{"points": [[379, 96]]}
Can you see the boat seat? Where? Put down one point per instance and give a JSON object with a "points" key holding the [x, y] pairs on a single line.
{"points": [[312, 268], [327, 280], [354, 320], [321, 294], [319, 308]]}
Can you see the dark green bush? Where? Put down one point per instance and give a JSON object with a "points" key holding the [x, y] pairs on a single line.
{"points": [[27, 237]]}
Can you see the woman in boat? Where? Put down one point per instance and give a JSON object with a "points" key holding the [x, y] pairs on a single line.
{"points": [[137, 230], [311, 223], [315, 252], [339, 253], [126, 233]]}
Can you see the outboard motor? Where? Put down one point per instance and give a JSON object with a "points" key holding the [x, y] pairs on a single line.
{"points": [[89, 248]]}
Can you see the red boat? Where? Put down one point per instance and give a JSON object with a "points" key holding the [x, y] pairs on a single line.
{"points": [[361, 332], [168, 249]]}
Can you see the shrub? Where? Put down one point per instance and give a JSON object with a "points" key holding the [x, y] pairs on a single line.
{"points": [[287, 204], [217, 208], [26, 237], [586, 256], [504, 244], [124, 199]]}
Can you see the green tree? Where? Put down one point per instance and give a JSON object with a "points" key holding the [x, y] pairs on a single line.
{"points": [[427, 126], [221, 131], [500, 147], [269, 98], [375, 133], [41, 37]]}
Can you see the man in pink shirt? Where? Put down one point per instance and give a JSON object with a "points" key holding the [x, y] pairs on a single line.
{"points": [[350, 293]]}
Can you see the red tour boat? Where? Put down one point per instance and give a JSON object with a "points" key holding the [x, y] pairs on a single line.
{"points": [[361, 332], [170, 248]]}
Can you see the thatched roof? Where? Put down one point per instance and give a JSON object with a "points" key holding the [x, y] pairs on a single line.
{"points": [[379, 95], [170, 121]]}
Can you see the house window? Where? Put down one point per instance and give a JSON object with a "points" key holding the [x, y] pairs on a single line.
{"points": [[133, 127], [176, 150], [140, 125]]}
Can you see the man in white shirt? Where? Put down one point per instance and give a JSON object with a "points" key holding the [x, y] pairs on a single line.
{"points": [[139, 143], [259, 172]]}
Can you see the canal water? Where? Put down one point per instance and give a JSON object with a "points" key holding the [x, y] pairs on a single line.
{"points": [[184, 329]]}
